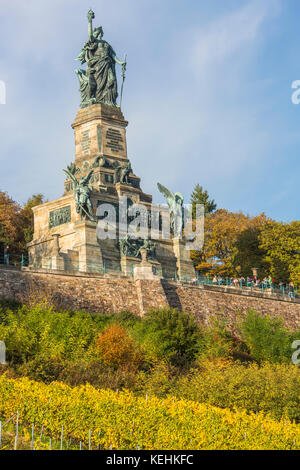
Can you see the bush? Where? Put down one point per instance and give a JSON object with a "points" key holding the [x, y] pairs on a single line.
{"points": [[42, 368], [158, 382], [39, 330], [99, 375], [116, 348], [125, 318], [267, 338], [217, 341], [169, 335]]}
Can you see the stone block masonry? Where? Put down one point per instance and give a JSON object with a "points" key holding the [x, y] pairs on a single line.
{"points": [[231, 304], [101, 294]]}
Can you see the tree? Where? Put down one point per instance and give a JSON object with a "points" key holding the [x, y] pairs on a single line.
{"points": [[267, 338], [11, 223], [221, 231], [27, 214], [231, 245], [16, 222], [199, 196], [248, 253], [281, 242]]}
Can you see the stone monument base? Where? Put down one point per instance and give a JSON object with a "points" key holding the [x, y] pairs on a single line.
{"points": [[146, 270], [65, 239], [144, 273]]}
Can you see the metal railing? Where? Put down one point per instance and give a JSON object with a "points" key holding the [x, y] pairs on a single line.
{"points": [[14, 260], [264, 287]]}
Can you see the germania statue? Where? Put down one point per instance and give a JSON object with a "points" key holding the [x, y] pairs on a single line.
{"points": [[98, 83]]}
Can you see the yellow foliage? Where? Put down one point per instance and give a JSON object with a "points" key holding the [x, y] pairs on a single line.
{"points": [[123, 421], [117, 348]]}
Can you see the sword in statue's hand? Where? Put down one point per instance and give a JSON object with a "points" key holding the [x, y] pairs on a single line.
{"points": [[123, 78]]}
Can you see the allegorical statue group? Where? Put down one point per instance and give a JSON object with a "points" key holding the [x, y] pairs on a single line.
{"points": [[132, 247]]}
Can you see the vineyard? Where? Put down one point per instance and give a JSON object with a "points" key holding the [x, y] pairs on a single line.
{"points": [[105, 419]]}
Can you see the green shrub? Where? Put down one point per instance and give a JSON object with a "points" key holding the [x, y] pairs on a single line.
{"points": [[170, 335], [124, 318], [98, 374], [39, 330], [267, 338], [157, 382], [42, 368]]}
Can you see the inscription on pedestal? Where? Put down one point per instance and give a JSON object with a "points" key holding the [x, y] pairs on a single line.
{"points": [[60, 216], [85, 141], [114, 140], [99, 137]]}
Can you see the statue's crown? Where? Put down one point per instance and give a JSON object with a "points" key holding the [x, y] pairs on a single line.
{"points": [[98, 30]]}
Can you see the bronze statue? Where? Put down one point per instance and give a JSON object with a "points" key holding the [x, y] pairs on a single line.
{"points": [[129, 247], [98, 84], [150, 248], [175, 203], [72, 168], [122, 174], [82, 195], [132, 247]]}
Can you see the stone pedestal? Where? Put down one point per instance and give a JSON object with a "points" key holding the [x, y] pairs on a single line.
{"points": [[64, 242], [143, 273], [144, 270], [88, 248], [57, 261], [127, 264], [184, 264], [100, 129]]}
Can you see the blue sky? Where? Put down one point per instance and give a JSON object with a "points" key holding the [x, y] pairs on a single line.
{"points": [[207, 95]]}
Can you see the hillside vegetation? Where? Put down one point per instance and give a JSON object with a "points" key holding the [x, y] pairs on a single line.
{"points": [[166, 353], [122, 421]]}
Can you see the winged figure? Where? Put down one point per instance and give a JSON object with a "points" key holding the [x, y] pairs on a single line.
{"points": [[82, 194], [72, 168], [175, 203]]}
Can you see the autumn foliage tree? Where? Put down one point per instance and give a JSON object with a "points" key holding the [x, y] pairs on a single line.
{"points": [[16, 222], [281, 243], [11, 223], [248, 251], [231, 244], [117, 349]]}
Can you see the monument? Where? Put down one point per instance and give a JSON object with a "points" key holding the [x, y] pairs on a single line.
{"points": [[65, 230]]}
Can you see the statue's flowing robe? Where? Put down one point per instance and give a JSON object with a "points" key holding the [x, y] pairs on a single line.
{"points": [[101, 71], [84, 87]]}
